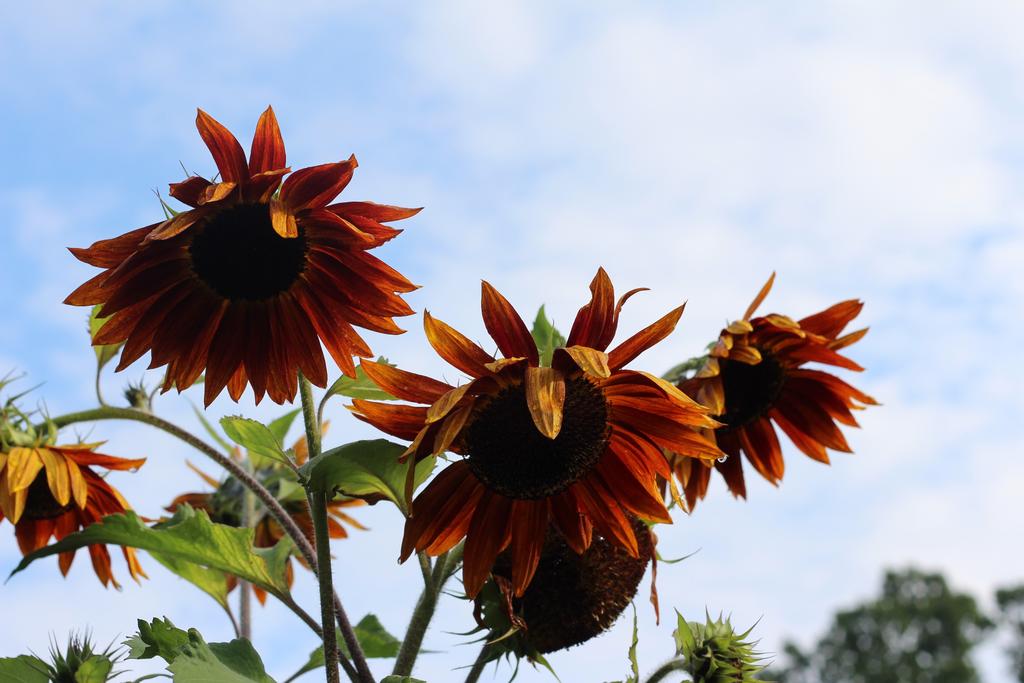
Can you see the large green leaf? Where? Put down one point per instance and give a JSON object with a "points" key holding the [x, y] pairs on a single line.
{"points": [[359, 387], [213, 582], [192, 660], [372, 636], [547, 337], [104, 352], [254, 436], [23, 669], [366, 469], [234, 662], [188, 536]]}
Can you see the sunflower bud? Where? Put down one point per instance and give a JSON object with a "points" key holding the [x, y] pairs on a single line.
{"points": [[138, 397], [715, 653], [80, 661]]}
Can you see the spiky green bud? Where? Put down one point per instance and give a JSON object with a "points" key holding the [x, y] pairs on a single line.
{"points": [[715, 653]]}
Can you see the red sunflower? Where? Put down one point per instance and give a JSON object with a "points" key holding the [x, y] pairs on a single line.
{"points": [[577, 444], [52, 491], [246, 283], [755, 376]]}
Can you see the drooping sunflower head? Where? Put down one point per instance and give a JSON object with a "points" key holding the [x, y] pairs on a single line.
{"points": [[754, 379], [247, 282], [572, 598], [577, 444], [51, 491]]}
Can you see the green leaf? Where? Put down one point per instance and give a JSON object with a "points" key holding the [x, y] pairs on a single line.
{"points": [[547, 337], [360, 387], [375, 639], [279, 427], [366, 469], [189, 536], [157, 638], [401, 679], [234, 662], [192, 660], [23, 669], [685, 641], [95, 669], [104, 352], [213, 582], [254, 436]]}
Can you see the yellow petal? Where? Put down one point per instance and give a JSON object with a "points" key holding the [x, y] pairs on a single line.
{"points": [[545, 397], [759, 298], [56, 475], [591, 361], [22, 467], [282, 219], [216, 192], [79, 488], [739, 327], [712, 396], [444, 405], [709, 369], [12, 503], [745, 354]]}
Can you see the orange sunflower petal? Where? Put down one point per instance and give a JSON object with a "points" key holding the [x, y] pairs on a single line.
{"points": [[505, 326]]}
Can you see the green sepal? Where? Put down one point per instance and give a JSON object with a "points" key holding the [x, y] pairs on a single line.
{"points": [[546, 336], [104, 352]]}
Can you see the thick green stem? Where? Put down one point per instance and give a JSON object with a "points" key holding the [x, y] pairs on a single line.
{"points": [[244, 589], [478, 666], [318, 506], [330, 604], [425, 607]]}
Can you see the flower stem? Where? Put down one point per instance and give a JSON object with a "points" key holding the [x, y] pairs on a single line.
{"points": [[425, 607], [330, 604], [244, 588], [478, 666], [666, 669], [318, 507]]}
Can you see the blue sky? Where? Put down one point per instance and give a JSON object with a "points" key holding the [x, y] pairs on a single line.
{"points": [[870, 151]]}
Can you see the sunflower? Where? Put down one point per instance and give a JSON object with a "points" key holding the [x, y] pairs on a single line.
{"points": [[225, 503], [52, 491], [754, 376], [246, 283], [577, 443], [571, 599]]}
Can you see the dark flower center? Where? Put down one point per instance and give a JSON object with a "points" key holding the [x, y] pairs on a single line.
{"points": [[40, 503], [238, 255], [510, 456], [750, 390], [573, 598]]}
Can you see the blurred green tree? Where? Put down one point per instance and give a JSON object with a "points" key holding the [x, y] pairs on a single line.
{"points": [[1011, 612], [917, 631]]}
